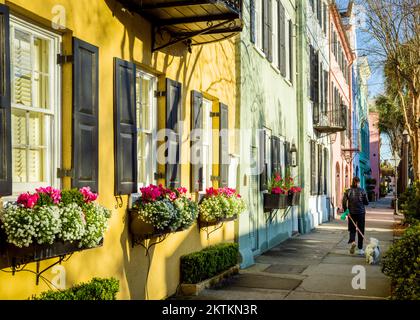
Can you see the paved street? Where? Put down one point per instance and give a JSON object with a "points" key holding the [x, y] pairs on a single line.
{"points": [[314, 266]]}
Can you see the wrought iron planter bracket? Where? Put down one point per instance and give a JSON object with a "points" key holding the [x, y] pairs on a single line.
{"points": [[146, 242], [218, 225], [271, 216], [38, 273]]}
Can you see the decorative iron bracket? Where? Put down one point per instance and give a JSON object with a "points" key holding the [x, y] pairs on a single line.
{"points": [[273, 213], [175, 39]]}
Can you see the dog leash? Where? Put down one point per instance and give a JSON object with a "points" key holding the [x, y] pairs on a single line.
{"points": [[357, 228]]}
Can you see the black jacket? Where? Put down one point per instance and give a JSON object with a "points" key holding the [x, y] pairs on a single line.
{"points": [[355, 199]]}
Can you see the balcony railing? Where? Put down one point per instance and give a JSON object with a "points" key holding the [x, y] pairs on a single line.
{"points": [[192, 22], [331, 121]]}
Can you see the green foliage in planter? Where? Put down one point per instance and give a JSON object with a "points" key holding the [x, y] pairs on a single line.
{"points": [[97, 289], [204, 264], [72, 196], [402, 264], [410, 203]]}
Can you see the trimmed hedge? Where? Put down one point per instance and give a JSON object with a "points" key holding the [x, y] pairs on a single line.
{"points": [[204, 264], [402, 264], [97, 289]]}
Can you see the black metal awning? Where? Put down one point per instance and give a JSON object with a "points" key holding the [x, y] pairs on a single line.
{"points": [[194, 22]]}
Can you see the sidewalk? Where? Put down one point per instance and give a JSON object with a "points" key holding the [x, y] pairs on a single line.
{"points": [[314, 266]]}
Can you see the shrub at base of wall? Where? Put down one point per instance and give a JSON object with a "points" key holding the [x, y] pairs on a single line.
{"points": [[204, 264], [97, 289]]}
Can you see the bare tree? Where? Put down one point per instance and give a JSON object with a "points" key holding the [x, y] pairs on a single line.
{"points": [[394, 27]]}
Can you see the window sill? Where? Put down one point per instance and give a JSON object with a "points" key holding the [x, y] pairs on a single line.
{"points": [[289, 83], [276, 69], [259, 51]]}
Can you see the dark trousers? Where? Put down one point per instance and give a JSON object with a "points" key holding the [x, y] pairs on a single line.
{"points": [[359, 219]]}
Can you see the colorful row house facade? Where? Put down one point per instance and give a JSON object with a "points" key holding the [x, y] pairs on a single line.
{"points": [[86, 87], [266, 86], [111, 94], [341, 60]]}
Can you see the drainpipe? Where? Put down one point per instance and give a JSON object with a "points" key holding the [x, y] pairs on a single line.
{"points": [[301, 40]]}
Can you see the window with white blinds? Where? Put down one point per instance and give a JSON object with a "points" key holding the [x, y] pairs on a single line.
{"points": [[146, 127], [35, 106]]}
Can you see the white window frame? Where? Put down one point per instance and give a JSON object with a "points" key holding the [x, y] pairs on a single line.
{"points": [[53, 155], [151, 162], [207, 142]]}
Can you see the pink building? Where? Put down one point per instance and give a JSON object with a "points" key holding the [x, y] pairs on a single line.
{"points": [[375, 147], [341, 59]]}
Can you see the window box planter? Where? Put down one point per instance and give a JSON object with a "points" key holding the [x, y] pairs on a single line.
{"points": [[13, 256], [205, 223], [141, 230], [293, 199], [275, 201]]}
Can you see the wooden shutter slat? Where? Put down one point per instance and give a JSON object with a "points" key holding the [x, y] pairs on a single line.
{"points": [[197, 152], [173, 107], [224, 145], [85, 114], [125, 127], [5, 105]]}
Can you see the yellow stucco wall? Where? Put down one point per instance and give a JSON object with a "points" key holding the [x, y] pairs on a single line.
{"points": [[210, 69]]}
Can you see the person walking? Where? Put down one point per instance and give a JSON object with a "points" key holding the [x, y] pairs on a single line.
{"points": [[355, 199]]}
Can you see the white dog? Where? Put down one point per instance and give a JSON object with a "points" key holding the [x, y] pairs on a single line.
{"points": [[372, 251]]}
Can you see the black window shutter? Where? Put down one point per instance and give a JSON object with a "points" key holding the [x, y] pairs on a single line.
{"points": [[252, 20], [197, 123], [5, 105], [275, 155], [313, 167], [125, 127], [266, 31], [318, 12], [224, 145], [320, 168], [270, 30], [85, 114], [287, 159], [315, 88], [173, 107], [263, 161], [282, 39], [291, 49]]}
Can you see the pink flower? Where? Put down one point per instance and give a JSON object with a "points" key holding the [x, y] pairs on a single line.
{"points": [[28, 200], [277, 178], [212, 191], [88, 196], [277, 190], [151, 192], [54, 194], [181, 190], [172, 195], [295, 190]]}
